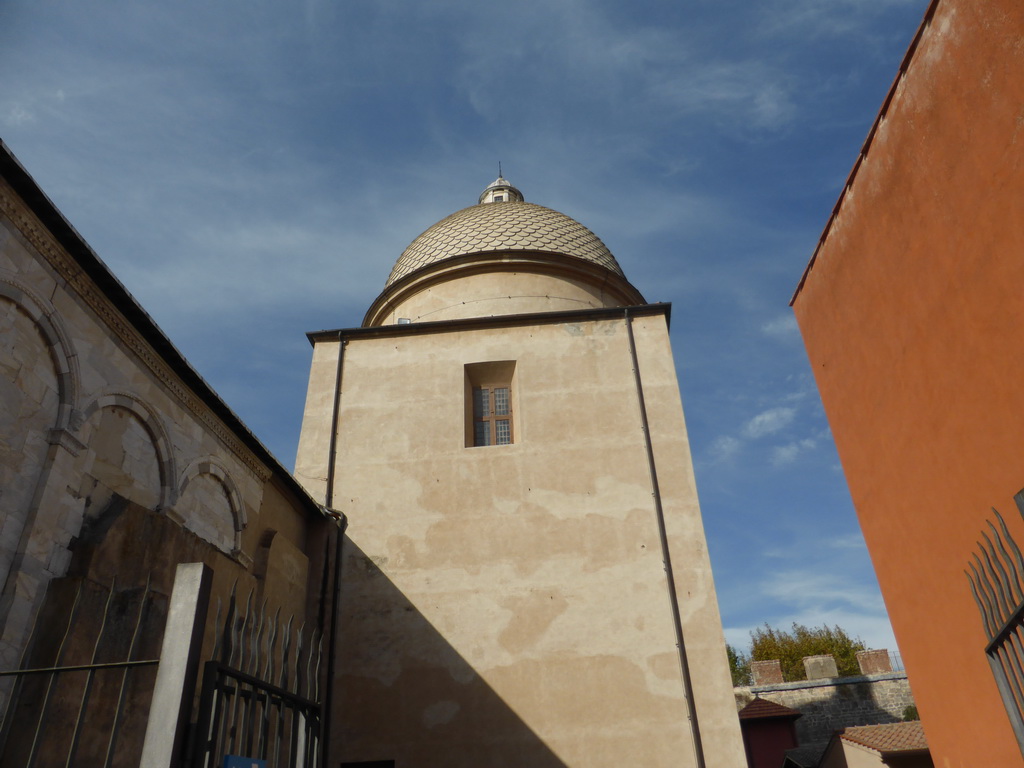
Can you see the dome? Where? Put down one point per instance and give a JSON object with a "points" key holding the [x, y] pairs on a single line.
{"points": [[503, 256], [502, 226]]}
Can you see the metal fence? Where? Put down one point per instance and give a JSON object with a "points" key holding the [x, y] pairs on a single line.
{"points": [[78, 702], [260, 694], [996, 576]]}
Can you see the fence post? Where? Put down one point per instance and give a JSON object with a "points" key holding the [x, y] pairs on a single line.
{"points": [[179, 666]]}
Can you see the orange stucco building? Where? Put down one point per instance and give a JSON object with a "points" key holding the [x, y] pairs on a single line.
{"points": [[912, 312]]}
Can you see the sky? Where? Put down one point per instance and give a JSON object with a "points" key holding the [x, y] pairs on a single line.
{"points": [[251, 170]]}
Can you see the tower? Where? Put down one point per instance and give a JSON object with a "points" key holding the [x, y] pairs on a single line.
{"points": [[526, 580]]}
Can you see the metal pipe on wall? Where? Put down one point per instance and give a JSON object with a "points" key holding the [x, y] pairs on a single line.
{"points": [[691, 709], [325, 723]]}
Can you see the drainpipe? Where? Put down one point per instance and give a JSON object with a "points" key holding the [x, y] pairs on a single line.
{"points": [[684, 666], [325, 722], [332, 451]]}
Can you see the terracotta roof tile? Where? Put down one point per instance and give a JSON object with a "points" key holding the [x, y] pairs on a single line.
{"points": [[889, 737], [507, 226], [762, 708]]}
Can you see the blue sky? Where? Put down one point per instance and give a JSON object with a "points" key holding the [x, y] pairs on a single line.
{"points": [[252, 170]]}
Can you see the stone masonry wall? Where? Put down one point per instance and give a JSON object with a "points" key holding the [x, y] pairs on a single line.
{"points": [[827, 705], [91, 412]]}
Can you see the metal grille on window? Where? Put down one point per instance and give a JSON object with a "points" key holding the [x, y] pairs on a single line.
{"points": [[501, 401], [492, 412], [996, 577]]}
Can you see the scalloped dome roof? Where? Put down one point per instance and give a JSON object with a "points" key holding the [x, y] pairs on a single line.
{"points": [[498, 225]]}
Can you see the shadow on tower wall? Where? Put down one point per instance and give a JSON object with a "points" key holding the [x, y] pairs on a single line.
{"points": [[404, 694]]}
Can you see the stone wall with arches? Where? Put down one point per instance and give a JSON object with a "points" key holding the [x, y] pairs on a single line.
{"points": [[99, 411]]}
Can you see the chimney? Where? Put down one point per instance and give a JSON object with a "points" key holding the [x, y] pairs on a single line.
{"points": [[874, 662], [766, 672], [820, 667]]}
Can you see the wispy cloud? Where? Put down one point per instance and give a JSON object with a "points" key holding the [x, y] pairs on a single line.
{"points": [[254, 176], [762, 425], [725, 448], [787, 18], [782, 455], [814, 596], [17, 115], [851, 541], [768, 422], [818, 589], [783, 327]]}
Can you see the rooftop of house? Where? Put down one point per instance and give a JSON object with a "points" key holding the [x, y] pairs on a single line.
{"points": [[760, 709], [888, 737]]}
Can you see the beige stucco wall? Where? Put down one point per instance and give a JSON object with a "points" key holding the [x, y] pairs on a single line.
{"points": [[90, 410], [498, 293], [508, 605]]}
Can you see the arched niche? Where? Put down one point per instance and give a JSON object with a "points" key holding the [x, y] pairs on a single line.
{"points": [[59, 349], [126, 452], [38, 392], [210, 505]]}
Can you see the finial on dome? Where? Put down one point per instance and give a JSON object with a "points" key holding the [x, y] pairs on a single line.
{"points": [[500, 191]]}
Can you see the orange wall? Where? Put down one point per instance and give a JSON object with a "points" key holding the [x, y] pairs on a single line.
{"points": [[913, 318]]}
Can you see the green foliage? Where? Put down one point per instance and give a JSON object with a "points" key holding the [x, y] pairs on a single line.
{"points": [[910, 712], [791, 647], [739, 666]]}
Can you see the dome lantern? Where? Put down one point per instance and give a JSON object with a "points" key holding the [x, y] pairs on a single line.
{"points": [[500, 191]]}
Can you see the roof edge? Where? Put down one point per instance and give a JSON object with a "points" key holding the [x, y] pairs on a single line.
{"points": [[496, 321], [114, 290], [904, 66]]}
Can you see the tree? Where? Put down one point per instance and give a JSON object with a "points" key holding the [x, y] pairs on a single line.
{"points": [[739, 666], [790, 648]]}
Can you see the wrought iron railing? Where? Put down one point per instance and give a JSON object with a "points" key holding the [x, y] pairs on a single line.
{"points": [[996, 577], [260, 694], [71, 712]]}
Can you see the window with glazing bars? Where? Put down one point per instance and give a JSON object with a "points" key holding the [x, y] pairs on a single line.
{"points": [[490, 401], [492, 416]]}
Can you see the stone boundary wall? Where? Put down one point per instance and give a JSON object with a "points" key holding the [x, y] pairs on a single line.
{"points": [[830, 704]]}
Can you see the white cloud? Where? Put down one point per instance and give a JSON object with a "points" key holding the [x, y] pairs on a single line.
{"points": [[768, 422], [724, 448], [735, 92], [817, 589], [854, 541], [18, 115], [848, 18], [253, 179], [783, 327], [765, 423], [873, 629], [814, 597], [782, 455]]}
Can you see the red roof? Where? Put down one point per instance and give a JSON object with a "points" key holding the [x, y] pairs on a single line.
{"points": [[890, 737], [762, 708]]}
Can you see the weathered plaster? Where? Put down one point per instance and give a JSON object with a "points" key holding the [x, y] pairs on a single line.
{"points": [[521, 584]]}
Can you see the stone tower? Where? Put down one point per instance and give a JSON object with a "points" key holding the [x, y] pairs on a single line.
{"points": [[526, 581]]}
